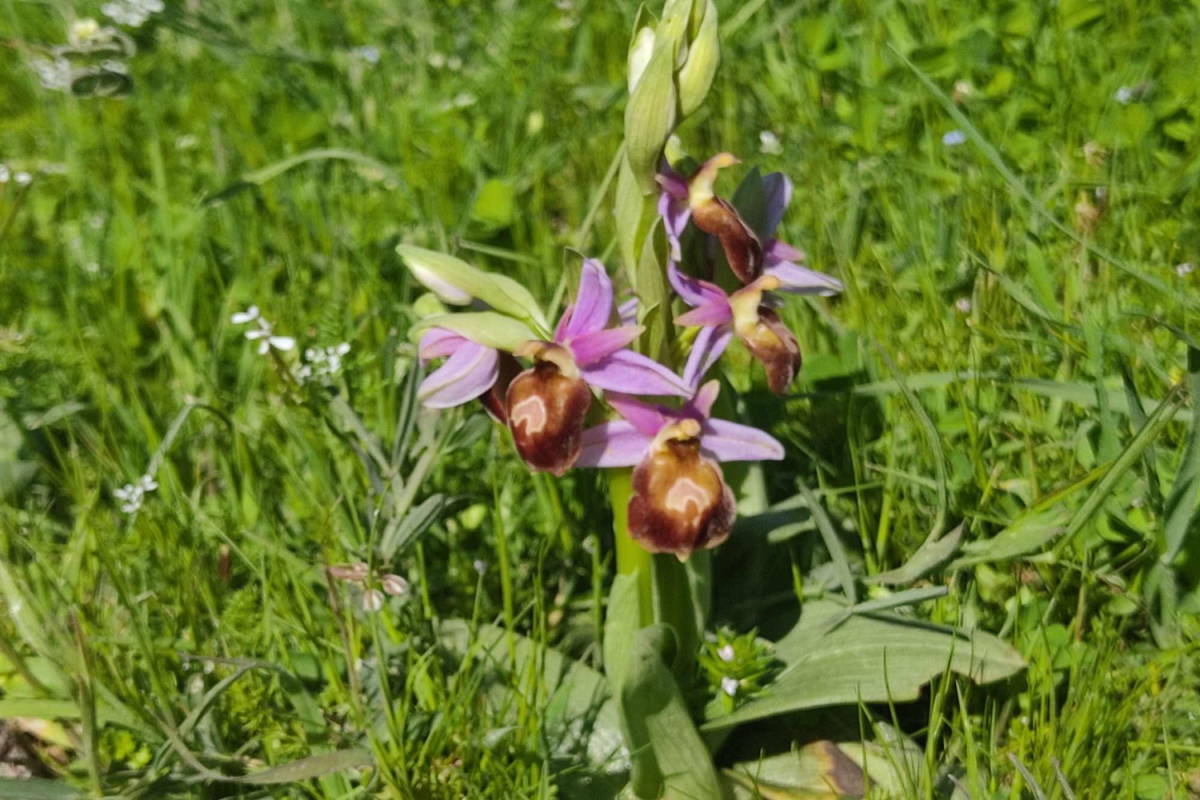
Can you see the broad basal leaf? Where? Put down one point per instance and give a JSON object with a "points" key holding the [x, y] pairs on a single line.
{"points": [[870, 659]]}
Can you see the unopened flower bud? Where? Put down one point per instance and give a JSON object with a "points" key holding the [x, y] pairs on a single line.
{"points": [[703, 57], [639, 55], [680, 502], [394, 585], [372, 600], [546, 405]]}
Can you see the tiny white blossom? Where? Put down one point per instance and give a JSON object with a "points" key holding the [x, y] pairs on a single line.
{"points": [[356, 572], [726, 653], [131, 497], [266, 338], [148, 483], [769, 143], [1124, 95], [242, 317], [954, 138], [729, 686], [23, 178], [480, 565], [5, 174], [54, 75], [83, 31], [454, 63], [963, 304], [1184, 269], [372, 600], [437, 60]]}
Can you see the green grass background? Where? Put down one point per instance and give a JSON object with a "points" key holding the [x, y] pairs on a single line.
{"points": [[486, 129]]}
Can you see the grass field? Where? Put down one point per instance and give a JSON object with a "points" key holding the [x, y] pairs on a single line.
{"points": [[1008, 190]]}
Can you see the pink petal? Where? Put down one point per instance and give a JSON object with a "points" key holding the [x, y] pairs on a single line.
{"points": [[708, 315], [560, 330], [593, 304], [694, 291], [775, 250], [612, 444], [702, 403], [672, 183], [591, 347], [728, 441], [675, 215], [648, 419], [709, 345], [466, 375], [778, 191], [633, 373], [439, 343], [801, 280]]}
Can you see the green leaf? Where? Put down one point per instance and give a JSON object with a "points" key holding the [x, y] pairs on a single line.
{"points": [[1029, 533], [487, 328], [495, 205], [1182, 513], [669, 757], [312, 767], [929, 556], [869, 659], [455, 281], [36, 789], [412, 524]]}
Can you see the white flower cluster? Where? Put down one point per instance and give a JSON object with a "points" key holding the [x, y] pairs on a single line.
{"points": [[264, 333], [131, 12], [53, 74], [20, 177], [322, 363], [132, 494]]}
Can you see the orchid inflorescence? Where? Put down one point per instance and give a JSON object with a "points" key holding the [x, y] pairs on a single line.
{"points": [[680, 501]]}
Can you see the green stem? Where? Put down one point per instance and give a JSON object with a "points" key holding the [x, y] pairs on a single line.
{"points": [[632, 558]]}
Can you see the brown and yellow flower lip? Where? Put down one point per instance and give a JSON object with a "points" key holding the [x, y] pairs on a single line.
{"points": [[546, 405], [742, 248], [680, 502], [716, 217], [763, 333]]}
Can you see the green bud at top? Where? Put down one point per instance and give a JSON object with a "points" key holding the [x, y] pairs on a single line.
{"points": [[639, 55], [704, 56]]}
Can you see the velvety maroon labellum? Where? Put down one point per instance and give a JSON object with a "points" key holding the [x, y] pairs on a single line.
{"points": [[776, 347], [546, 409], [680, 502], [742, 248], [493, 399]]}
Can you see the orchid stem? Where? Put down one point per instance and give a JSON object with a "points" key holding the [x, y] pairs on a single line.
{"points": [[632, 558]]}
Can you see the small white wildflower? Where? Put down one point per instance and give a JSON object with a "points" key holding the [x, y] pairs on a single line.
{"points": [[132, 13], [1184, 269], [54, 75], [394, 585], [83, 31], [954, 138], [372, 600], [726, 653], [186, 142], [130, 497], [148, 483], [454, 63], [1124, 95], [91, 267], [5, 173], [265, 335], [962, 90], [963, 304], [242, 317], [769, 143], [480, 566], [368, 53], [437, 60], [464, 99], [729, 686], [23, 178]]}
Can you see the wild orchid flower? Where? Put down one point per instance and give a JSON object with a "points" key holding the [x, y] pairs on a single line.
{"points": [[748, 254], [747, 313], [547, 402], [471, 371], [680, 502]]}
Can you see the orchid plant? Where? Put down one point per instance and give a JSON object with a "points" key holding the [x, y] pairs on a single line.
{"points": [[632, 389]]}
